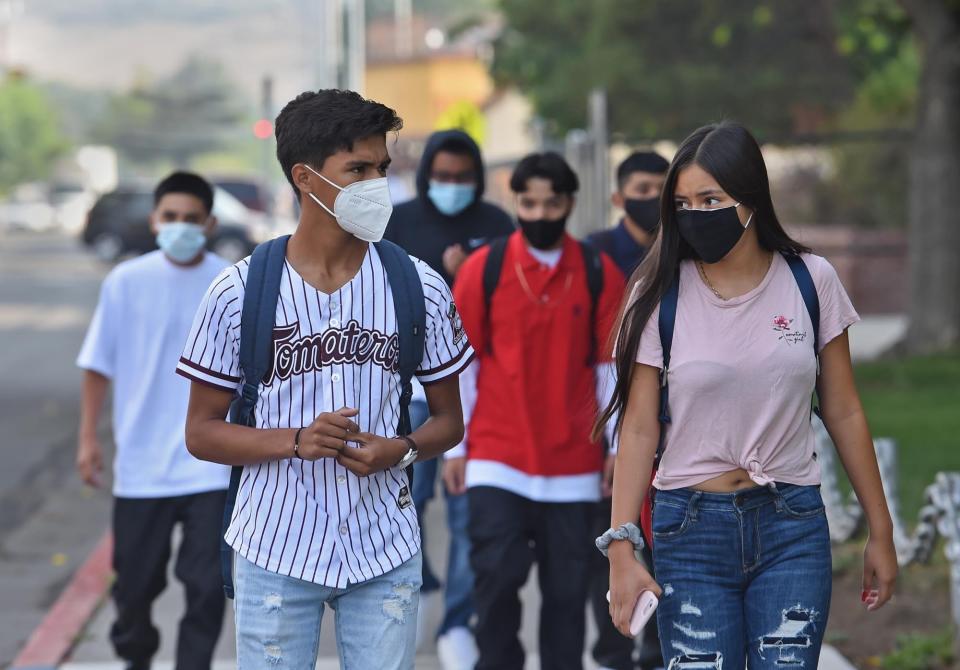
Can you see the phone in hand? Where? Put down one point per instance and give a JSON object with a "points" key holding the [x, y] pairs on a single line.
{"points": [[644, 609]]}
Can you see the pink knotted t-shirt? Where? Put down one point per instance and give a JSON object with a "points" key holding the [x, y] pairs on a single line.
{"points": [[741, 375]]}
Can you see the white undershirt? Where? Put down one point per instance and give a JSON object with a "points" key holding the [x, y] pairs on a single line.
{"points": [[548, 257]]}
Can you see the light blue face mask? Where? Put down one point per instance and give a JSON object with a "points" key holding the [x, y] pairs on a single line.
{"points": [[451, 199], [181, 241]]}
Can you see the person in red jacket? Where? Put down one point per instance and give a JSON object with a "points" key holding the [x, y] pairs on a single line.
{"points": [[532, 472]]}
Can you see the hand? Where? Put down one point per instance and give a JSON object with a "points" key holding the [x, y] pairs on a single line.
{"points": [[628, 579], [455, 475], [90, 461], [606, 484], [327, 436], [879, 572], [453, 258], [374, 454]]}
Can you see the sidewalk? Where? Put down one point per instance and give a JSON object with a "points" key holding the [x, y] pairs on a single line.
{"points": [[868, 339], [93, 652]]}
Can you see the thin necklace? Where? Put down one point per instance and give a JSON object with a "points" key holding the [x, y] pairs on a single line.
{"points": [[544, 299], [706, 279]]}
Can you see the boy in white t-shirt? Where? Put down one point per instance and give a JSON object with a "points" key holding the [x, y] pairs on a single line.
{"points": [[144, 314]]}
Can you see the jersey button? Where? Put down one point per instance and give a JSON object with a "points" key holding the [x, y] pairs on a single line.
{"points": [[334, 304], [335, 377], [341, 479], [343, 530], [335, 323]]}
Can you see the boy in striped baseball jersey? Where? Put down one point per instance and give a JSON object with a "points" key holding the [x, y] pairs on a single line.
{"points": [[324, 514]]}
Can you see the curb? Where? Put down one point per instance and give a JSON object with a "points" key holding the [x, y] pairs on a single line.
{"points": [[52, 640]]}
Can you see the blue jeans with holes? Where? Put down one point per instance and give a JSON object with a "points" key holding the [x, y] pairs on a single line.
{"points": [[458, 594], [746, 577], [278, 619]]}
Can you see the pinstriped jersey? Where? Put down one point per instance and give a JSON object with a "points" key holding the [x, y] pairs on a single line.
{"points": [[317, 521]]}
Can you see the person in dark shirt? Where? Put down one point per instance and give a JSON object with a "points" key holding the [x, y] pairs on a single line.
{"points": [[443, 225], [639, 181], [448, 220]]}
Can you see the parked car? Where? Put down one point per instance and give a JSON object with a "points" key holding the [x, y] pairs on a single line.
{"points": [[28, 209], [119, 223], [248, 190]]}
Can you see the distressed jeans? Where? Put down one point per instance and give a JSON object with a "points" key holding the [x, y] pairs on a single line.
{"points": [[746, 577], [278, 619]]}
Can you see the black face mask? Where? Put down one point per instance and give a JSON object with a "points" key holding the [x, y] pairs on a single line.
{"points": [[542, 233], [645, 213], [712, 233]]}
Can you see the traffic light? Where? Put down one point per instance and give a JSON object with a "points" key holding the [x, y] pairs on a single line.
{"points": [[263, 129]]}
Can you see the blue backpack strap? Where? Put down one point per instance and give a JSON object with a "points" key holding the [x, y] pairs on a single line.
{"points": [[666, 322], [808, 290], [256, 338], [408, 303]]}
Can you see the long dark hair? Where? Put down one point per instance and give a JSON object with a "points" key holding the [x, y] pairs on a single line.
{"points": [[731, 155]]}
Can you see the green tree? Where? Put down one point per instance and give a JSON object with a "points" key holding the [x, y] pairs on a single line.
{"points": [[671, 65], [935, 180], [30, 135], [194, 111]]}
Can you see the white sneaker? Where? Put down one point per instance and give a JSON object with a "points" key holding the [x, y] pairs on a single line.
{"points": [[426, 616], [457, 649]]}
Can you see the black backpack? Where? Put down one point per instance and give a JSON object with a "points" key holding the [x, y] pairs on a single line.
{"points": [[591, 260]]}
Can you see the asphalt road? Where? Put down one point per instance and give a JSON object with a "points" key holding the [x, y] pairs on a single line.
{"points": [[48, 522]]}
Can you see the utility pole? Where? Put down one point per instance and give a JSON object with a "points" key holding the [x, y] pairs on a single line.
{"points": [[327, 51], [600, 175], [266, 108], [403, 28], [9, 10], [356, 45]]}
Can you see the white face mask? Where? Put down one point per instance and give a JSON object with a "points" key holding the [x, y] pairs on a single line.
{"points": [[362, 209], [181, 241]]}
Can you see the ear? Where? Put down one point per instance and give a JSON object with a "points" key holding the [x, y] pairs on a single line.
{"points": [[301, 178], [210, 225], [154, 224], [617, 199]]}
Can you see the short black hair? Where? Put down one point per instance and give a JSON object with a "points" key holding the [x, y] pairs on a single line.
{"points": [[548, 165], [317, 124], [641, 161], [185, 182], [455, 145]]}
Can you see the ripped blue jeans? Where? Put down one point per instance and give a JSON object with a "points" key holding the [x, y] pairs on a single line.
{"points": [[278, 619], [746, 577]]}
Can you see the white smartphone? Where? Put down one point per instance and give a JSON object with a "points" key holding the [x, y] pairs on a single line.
{"points": [[646, 606]]}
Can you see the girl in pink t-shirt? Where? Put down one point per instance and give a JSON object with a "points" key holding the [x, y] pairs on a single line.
{"points": [[742, 548]]}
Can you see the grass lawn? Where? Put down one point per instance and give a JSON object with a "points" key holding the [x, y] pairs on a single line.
{"points": [[916, 401]]}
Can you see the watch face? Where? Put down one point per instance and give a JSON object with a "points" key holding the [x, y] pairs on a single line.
{"points": [[408, 458]]}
